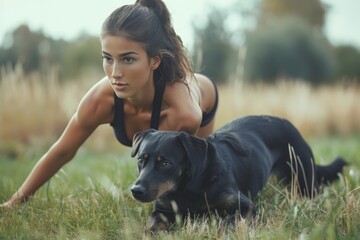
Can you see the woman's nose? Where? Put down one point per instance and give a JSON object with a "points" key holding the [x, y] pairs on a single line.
{"points": [[116, 71]]}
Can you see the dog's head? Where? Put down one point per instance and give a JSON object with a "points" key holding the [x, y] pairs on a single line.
{"points": [[167, 160]]}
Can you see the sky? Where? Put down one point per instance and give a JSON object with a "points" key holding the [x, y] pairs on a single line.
{"points": [[67, 18]]}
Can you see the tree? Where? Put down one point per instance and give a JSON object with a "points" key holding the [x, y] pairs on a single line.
{"points": [[348, 62], [311, 11], [288, 49], [34, 51], [215, 55], [289, 42], [23, 49], [84, 54]]}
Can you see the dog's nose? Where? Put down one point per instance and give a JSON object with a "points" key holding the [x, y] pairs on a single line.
{"points": [[138, 191]]}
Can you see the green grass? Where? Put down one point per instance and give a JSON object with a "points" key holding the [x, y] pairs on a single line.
{"points": [[90, 199]]}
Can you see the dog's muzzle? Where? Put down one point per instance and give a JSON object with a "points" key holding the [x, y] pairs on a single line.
{"points": [[139, 192]]}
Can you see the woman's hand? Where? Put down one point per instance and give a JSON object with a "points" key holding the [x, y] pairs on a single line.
{"points": [[7, 205], [13, 202]]}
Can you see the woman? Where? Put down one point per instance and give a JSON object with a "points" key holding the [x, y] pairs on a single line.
{"points": [[148, 84]]}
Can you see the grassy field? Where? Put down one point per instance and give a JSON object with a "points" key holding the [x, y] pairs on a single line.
{"points": [[34, 109], [90, 198]]}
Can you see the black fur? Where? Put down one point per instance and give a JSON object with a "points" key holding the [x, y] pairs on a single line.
{"points": [[225, 171]]}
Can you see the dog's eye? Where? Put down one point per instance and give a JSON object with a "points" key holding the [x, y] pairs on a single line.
{"points": [[165, 164], [140, 160]]}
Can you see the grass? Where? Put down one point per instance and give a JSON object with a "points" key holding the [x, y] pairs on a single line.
{"points": [[313, 110], [90, 199], [41, 107]]}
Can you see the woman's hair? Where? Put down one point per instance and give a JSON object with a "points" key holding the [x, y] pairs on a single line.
{"points": [[149, 23]]}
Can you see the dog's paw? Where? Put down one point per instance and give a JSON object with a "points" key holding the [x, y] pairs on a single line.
{"points": [[157, 227]]}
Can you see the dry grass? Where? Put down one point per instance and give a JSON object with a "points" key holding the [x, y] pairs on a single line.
{"points": [[315, 111], [34, 109]]}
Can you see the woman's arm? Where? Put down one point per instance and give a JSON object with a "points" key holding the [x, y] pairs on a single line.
{"points": [[185, 106], [94, 109], [59, 154], [183, 111]]}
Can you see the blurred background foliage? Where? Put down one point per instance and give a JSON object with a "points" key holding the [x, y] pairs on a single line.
{"points": [[286, 41], [277, 42], [214, 53], [288, 48], [37, 52], [289, 42]]}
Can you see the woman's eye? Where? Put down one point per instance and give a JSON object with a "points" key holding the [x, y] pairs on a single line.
{"points": [[107, 59], [128, 60]]}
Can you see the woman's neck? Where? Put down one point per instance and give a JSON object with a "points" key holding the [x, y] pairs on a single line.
{"points": [[142, 101]]}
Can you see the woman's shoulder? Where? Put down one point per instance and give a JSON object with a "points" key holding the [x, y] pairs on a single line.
{"points": [[100, 90], [98, 103], [182, 107]]}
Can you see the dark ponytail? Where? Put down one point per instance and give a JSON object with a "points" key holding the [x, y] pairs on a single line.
{"points": [[149, 23], [159, 9]]}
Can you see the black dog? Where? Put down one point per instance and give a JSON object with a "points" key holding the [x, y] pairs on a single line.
{"points": [[225, 171]]}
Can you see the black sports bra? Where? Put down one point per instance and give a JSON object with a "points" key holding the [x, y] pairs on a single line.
{"points": [[119, 125]]}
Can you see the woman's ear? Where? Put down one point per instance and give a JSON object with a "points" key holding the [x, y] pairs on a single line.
{"points": [[155, 62]]}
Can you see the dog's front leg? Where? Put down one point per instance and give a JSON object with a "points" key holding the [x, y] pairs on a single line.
{"points": [[160, 221], [247, 207], [243, 207]]}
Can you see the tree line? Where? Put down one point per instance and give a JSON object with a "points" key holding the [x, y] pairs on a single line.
{"points": [[35, 51], [287, 40]]}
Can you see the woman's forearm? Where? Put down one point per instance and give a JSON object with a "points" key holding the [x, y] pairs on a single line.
{"points": [[47, 167]]}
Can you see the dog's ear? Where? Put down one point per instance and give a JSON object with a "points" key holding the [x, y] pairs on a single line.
{"points": [[137, 140], [196, 150]]}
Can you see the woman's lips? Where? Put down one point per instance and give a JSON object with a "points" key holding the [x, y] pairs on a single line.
{"points": [[119, 86]]}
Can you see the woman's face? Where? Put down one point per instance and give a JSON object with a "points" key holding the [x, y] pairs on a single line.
{"points": [[127, 65]]}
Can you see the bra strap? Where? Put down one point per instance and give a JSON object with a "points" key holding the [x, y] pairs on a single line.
{"points": [[157, 102]]}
